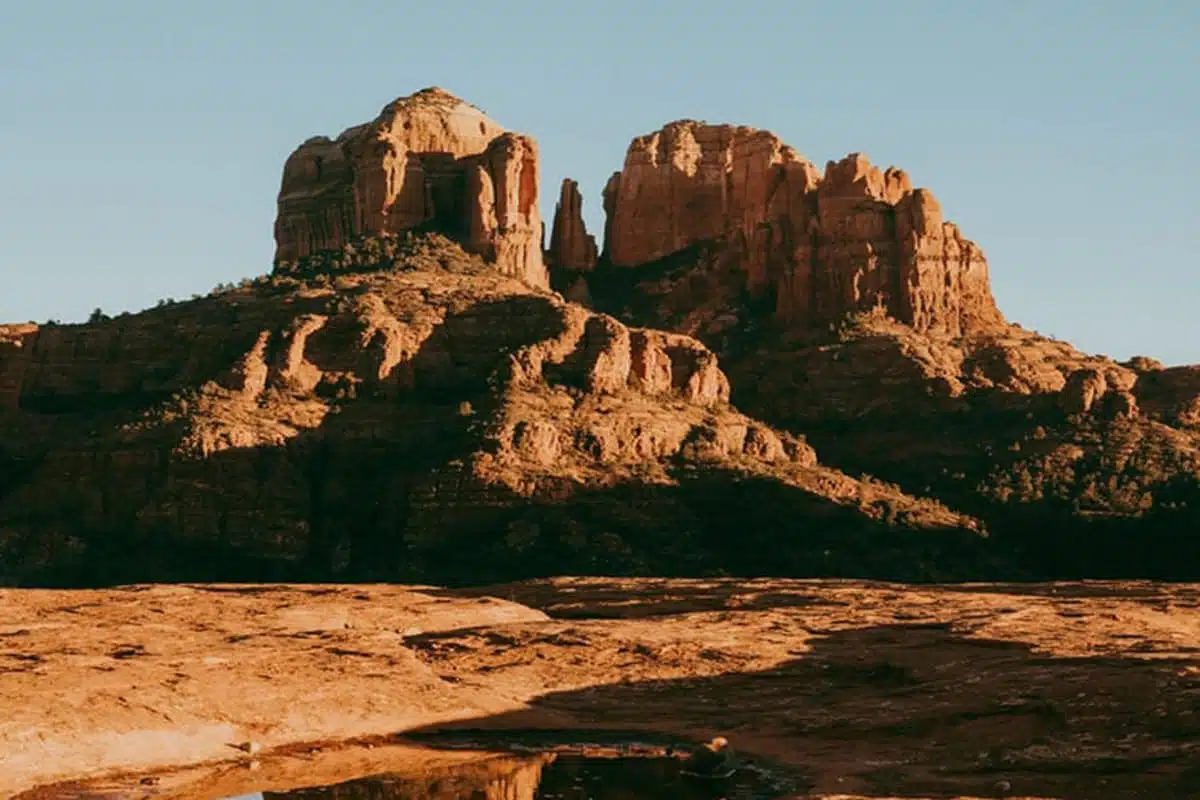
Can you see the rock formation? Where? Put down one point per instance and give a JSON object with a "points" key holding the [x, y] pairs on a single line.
{"points": [[1065, 690], [390, 405], [1022, 430], [429, 420], [820, 246], [882, 329], [571, 246], [427, 159], [967, 418], [14, 339]]}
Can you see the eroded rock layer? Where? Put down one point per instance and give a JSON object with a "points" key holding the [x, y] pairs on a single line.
{"points": [[433, 419], [427, 159], [1063, 690], [394, 406], [571, 246], [843, 305], [820, 246]]}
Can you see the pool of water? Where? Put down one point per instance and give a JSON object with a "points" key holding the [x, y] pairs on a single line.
{"points": [[563, 772]]}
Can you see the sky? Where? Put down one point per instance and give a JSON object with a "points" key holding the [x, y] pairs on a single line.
{"points": [[142, 141]]}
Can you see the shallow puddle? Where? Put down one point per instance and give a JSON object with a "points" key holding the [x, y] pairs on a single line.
{"points": [[574, 772]]}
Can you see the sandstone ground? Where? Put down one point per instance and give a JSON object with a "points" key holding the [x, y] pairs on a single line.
{"points": [[1063, 690]]}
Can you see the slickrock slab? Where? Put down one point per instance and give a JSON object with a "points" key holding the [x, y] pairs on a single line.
{"points": [[1064, 690]]}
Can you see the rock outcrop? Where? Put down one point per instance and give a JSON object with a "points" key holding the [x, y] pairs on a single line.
{"points": [[819, 246], [1022, 430], [403, 398], [571, 246], [429, 159], [14, 358], [431, 419], [844, 306]]}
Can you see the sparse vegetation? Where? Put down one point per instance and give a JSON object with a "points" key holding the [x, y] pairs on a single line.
{"points": [[445, 414], [410, 250], [419, 395]]}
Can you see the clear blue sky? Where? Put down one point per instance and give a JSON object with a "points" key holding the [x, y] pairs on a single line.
{"points": [[141, 141]]}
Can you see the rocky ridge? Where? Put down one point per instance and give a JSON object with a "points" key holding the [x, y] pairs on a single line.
{"points": [[401, 409], [405, 388], [842, 305]]}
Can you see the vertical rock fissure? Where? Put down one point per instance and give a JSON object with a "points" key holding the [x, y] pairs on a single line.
{"points": [[847, 241], [428, 160]]}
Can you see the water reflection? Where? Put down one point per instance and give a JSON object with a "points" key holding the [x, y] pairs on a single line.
{"points": [[550, 776]]}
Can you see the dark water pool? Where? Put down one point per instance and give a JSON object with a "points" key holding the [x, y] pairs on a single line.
{"points": [[565, 773]]}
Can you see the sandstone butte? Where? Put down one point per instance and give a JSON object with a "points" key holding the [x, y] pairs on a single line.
{"points": [[844, 306], [820, 246], [406, 399], [429, 158], [754, 341]]}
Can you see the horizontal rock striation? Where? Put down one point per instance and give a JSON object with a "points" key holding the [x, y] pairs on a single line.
{"points": [[820, 245], [435, 419], [403, 398], [429, 159]]}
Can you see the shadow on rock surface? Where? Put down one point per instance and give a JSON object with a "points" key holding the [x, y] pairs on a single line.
{"points": [[1107, 494], [711, 524], [616, 598], [381, 489], [605, 777], [918, 711], [1097, 517], [718, 524], [325, 504]]}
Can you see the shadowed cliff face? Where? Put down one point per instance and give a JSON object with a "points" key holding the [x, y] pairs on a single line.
{"points": [[399, 406], [812, 247], [844, 307], [433, 420], [1087, 466]]}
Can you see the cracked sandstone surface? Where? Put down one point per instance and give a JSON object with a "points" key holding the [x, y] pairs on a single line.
{"points": [[1063, 690]]}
